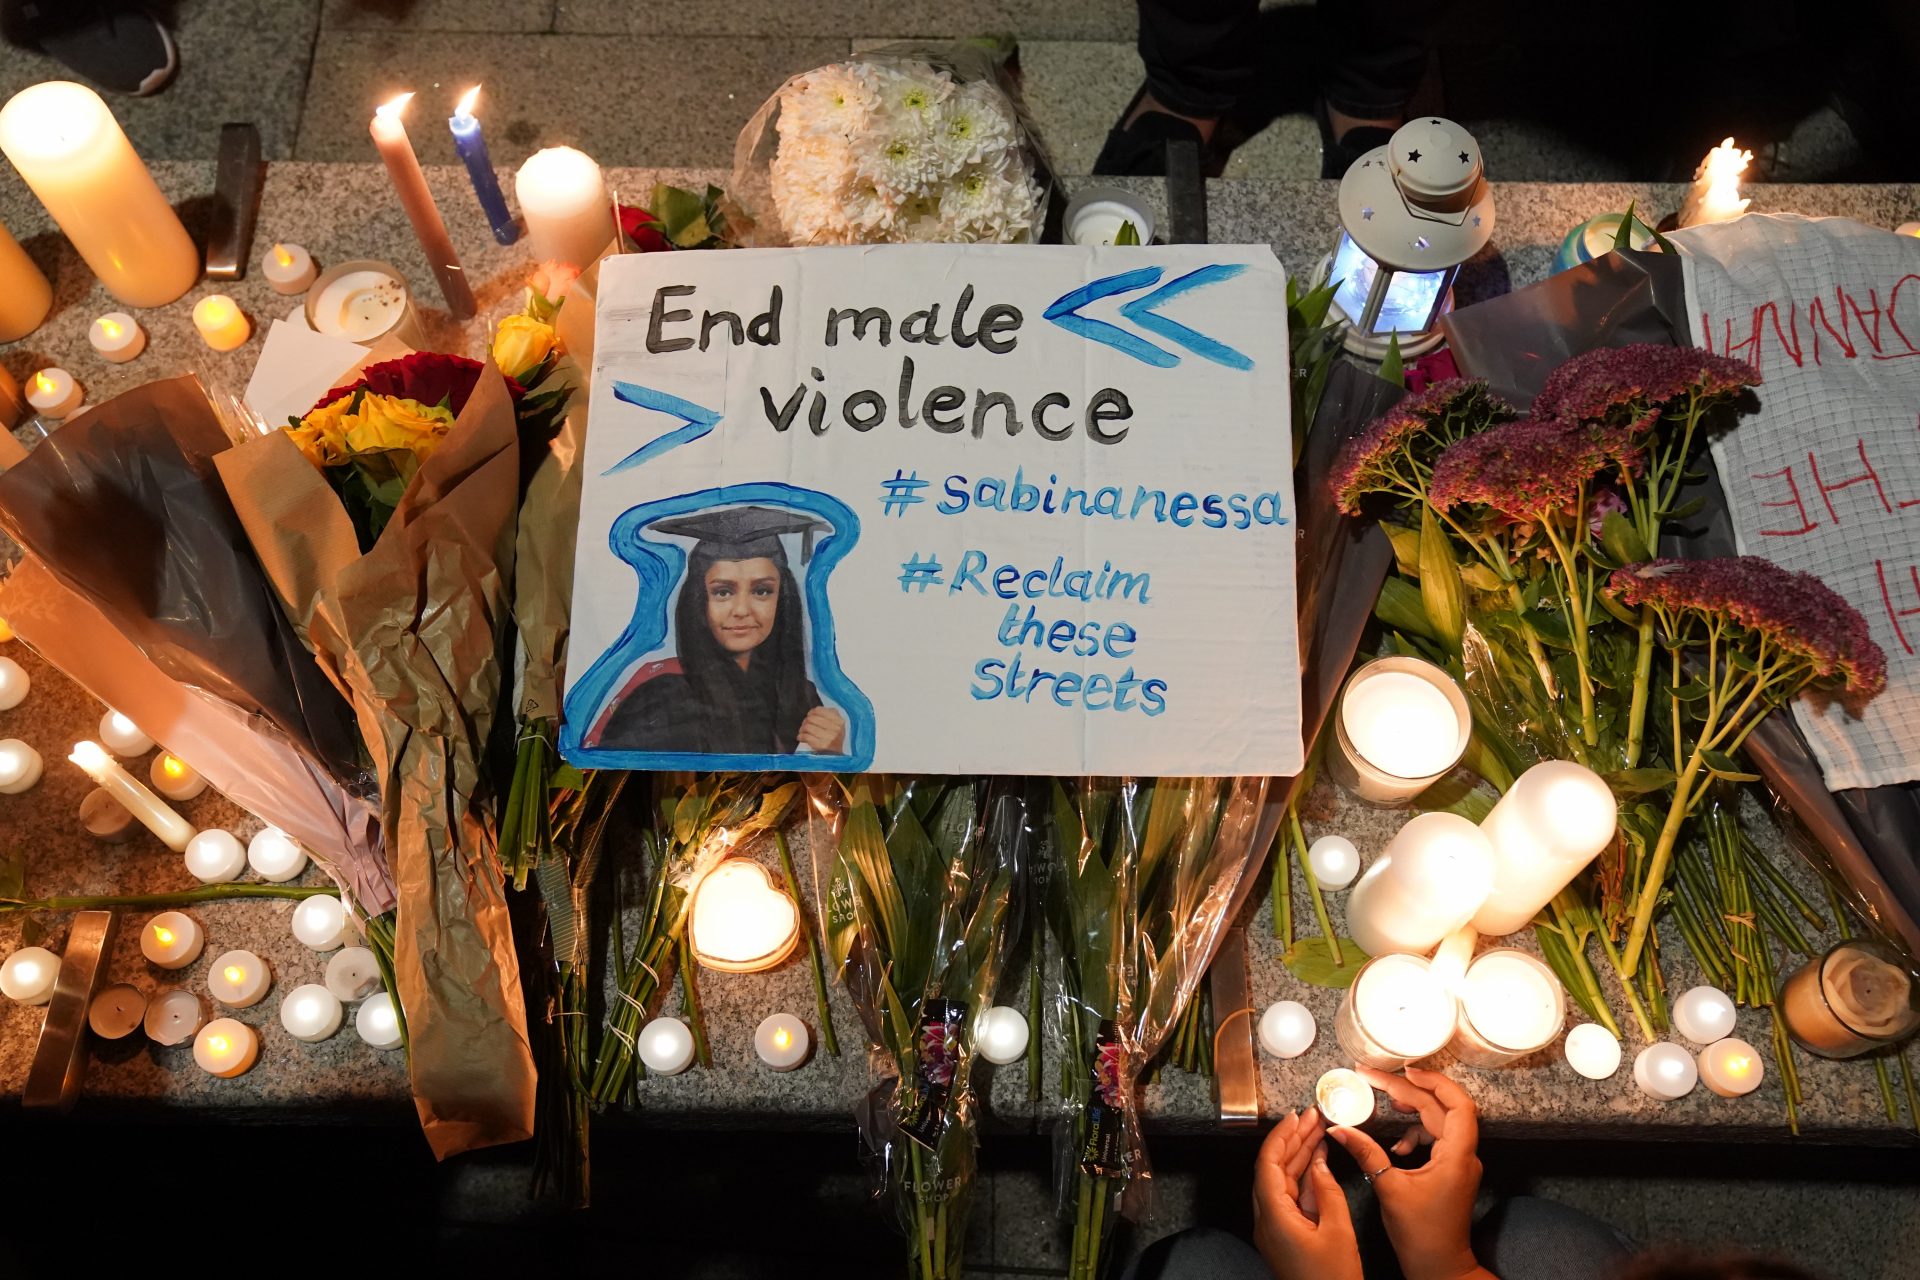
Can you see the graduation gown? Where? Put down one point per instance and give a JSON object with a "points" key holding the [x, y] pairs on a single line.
{"points": [[661, 710]]}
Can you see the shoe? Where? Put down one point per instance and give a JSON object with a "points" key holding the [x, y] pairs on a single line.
{"points": [[1338, 154], [1139, 149], [129, 53]]}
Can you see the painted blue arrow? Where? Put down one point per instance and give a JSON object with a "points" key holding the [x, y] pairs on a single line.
{"points": [[1142, 312], [698, 422], [1065, 312]]}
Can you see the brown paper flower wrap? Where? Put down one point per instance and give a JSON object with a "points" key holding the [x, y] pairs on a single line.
{"points": [[409, 632]]}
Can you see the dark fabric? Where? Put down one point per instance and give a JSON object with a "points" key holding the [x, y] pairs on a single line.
{"points": [[1200, 1253], [1529, 1239]]}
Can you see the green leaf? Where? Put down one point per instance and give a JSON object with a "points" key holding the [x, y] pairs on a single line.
{"points": [[1619, 612], [1393, 369], [1440, 589], [1400, 607], [1623, 238], [1638, 782], [566, 777], [1723, 766], [1480, 577], [13, 878], [1485, 756], [33, 931], [1622, 541], [1406, 548], [1307, 960], [1129, 234]]}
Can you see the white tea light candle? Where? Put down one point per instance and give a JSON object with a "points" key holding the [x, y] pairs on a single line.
{"points": [[1095, 218], [1397, 1011], [117, 337], [117, 1012], [15, 684], [1287, 1029], [782, 1041], [288, 268], [1553, 821], [174, 778], [1426, 884], [311, 1013], [222, 325], [1703, 1015], [1001, 1034], [216, 857], [665, 1046], [28, 975], [1344, 1097], [104, 818], [565, 203], [1335, 861], [239, 979], [174, 1016], [1511, 1006], [122, 736], [172, 940], [1401, 724], [377, 1023], [321, 922], [52, 393], [274, 855], [1731, 1068], [1665, 1071], [174, 831], [352, 974], [1593, 1051], [20, 767], [740, 922], [226, 1047]]}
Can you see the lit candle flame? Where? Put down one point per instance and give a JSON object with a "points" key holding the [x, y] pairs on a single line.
{"points": [[173, 766], [281, 256], [466, 102], [90, 756], [109, 329], [782, 1038], [391, 109], [1715, 194], [163, 935], [219, 1044], [234, 973], [1738, 1066], [43, 383]]}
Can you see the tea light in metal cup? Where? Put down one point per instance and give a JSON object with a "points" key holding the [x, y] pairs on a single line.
{"points": [[117, 1012], [288, 268], [276, 856], [28, 975], [1704, 1014], [311, 1013], [174, 778], [1731, 1067], [1401, 725], [665, 1046], [215, 857], [172, 940], [1002, 1034], [20, 767], [353, 974], [1593, 1051], [1096, 216], [1287, 1029], [364, 301], [117, 337], [1344, 1097], [122, 736], [53, 394], [104, 818], [226, 1047], [15, 684], [321, 922], [1335, 861], [1665, 1071], [377, 1023], [239, 979], [1511, 1006], [1397, 1011], [782, 1041], [174, 1016]]}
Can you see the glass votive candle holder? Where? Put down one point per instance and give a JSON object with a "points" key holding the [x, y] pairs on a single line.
{"points": [[1397, 1011], [1511, 1006], [1400, 726], [1854, 999]]}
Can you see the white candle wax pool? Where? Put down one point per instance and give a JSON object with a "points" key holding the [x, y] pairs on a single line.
{"points": [[1287, 1029], [1553, 821], [226, 1047], [222, 325], [1703, 1014], [1402, 724], [1593, 1051], [117, 337], [360, 303], [174, 1016], [122, 736], [1335, 861], [377, 1023], [172, 940], [54, 394], [352, 974], [311, 1013], [1665, 1071], [1511, 1005], [782, 1041], [288, 268], [175, 831], [174, 778], [20, 767], [239, 979], [15, 684], [1425, 884], [117, 1012], [28, 975], [665, 1046], [216, 857], [1001, 1034], [1397, 1011], [321, 922], [1731, 1068], [565, 203], [274, 855], [105, 818], [1344, 1097]]}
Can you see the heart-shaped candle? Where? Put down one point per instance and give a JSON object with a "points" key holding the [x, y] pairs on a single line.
{"points": [[742, 922]]}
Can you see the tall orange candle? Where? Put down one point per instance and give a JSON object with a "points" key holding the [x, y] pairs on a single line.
{"points": [[390, 135], [25, 295]]}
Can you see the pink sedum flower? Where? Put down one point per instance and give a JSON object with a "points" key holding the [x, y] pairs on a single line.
{"points": [[1531, 468], [1414, 431], [1631, 386]]}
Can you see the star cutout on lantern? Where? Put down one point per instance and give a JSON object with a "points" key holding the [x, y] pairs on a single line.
{"points": [[1366, 215], [1465, 158], [1476, 219], [1414, 156]]}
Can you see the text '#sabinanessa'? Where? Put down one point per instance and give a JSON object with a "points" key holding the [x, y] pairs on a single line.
{"points": [[961, 494]]}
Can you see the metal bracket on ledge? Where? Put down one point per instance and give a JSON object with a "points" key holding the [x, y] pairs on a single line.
{"points": [[1186, 195], [60, 1059], [1236, 1077]]}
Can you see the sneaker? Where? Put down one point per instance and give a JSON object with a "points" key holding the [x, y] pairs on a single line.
{"points": [[129, 53]]}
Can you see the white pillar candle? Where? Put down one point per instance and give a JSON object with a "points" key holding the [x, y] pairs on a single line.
{"points": [[1553, 821], [1593, 1051], [1511, 1006], [72, 152], [26, 295], [565, 202], [1287, 1029], [665, 1046], [122, 736], [1703, 1014], [172, 940], [353, 974], [1397, 1011], [740, 922], [1401, 724], [377, 1023], [311, 1013], [274, 855], [105, 818], [1344, 1097], [174, 1016], [239, 979], [226, 1047], [117, 337], [117, 1012], [782, 1041], [20, 767], [321, 922], [1665, 1071], [174, 778], [1335, 861], [1731, 1068], [28, 975], [175, 831], [216, 857], [222, 325], [288, 268], [15, 684], [1426, 884], [52, 393], [1001, 1034]]}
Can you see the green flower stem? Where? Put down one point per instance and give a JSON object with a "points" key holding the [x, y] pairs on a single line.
{"points": [[1313, 889], [690, 1004], [1626, 972], [923, 1239], [1642, 688], [822, 1008], [1535, 649], [1576, 955], [181, 898], [1575, 608], [1913, 1096], [1281, 890]]}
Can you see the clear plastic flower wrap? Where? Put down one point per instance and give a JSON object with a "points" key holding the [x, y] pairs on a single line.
{"points": [[923, 905], [904, 144]]}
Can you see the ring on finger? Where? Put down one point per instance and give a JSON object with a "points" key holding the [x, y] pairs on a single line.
{"points": [[1369, 1177]]}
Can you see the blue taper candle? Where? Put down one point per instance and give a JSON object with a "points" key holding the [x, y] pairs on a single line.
{"points": [[471, 143]]}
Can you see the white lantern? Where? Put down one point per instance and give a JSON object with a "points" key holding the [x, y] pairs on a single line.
{"points": [[1410, 213]]}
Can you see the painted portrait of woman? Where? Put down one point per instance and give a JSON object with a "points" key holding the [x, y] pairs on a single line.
{"points": [[738, 684]]}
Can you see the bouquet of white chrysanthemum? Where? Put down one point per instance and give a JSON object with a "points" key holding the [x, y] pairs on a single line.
{"points": [[891, 149]]}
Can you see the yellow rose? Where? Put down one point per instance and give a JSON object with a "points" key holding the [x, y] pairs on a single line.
{"points": [[522, 344], [390, 422], [321, 435]]}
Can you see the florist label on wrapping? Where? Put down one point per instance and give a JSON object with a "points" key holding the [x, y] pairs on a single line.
{"points": [[945, 509]]}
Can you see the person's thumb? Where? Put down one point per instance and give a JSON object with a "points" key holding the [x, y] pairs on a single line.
{"points": [[1329, 1199], [1365, 1151]]}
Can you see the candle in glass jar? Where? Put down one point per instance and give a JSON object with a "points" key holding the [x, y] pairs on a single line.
{"points": [[1397, 1011], [53, 394], [175, 831], [20, 767], [665, 1046], [1344, 1097], [410, 184], [288, 268], [1002, 1034], [311, 1013], [222, 325], [117, 1012], [25, 294], [104, 818], [215, 857], [1703, 1015], [377, 1023], [565, 202], [363, 301], [1665, 1071], [1731, 1067], [174, 778], [122, 736], [274, 855], [15, 684], [1287, 1029], [782, 1041], [239, 979], [1401, 724], [1553, 821], [116, 337], [226, 1047], [353, 974], [28, 975], [1593, 1051], [1427, 883], [1511, 1006], [72, 153], [172, 940], [320, 922], [1855, 998], [174, 1016]]}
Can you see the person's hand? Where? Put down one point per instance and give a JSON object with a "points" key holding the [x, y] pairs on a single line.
{"points": [[825, 730], [1300, 1220], [1428, 1211]]}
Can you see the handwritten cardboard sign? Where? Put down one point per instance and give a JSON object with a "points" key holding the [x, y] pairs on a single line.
{"points": [[946, 509], [1826, 477]]}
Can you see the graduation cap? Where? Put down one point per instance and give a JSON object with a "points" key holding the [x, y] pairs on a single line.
{"points": [[745, 533]]}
